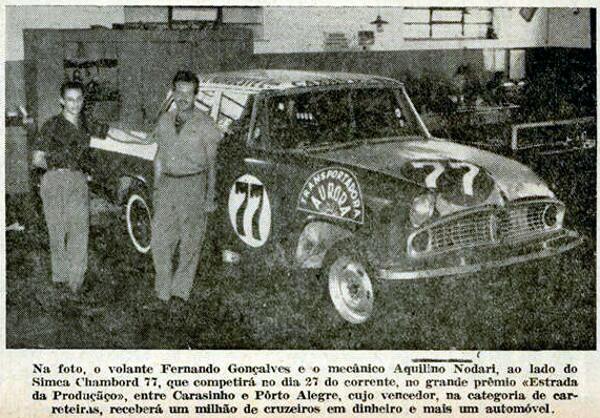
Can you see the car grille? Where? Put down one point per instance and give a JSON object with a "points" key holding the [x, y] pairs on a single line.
{"points": [[523, 221], [463, 232], [485, 226]]}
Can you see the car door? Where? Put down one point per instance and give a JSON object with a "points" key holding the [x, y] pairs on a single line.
{"points": [[248, 189], [243, 219], [280, 169]]}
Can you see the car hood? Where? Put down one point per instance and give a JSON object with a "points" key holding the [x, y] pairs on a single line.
{"points": [[391, 157]]}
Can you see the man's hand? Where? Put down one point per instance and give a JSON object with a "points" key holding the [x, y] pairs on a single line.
{"points": [[39, 159], [100, 130]]}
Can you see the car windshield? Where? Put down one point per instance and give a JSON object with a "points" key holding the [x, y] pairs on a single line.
{"points": [[336, 117]]}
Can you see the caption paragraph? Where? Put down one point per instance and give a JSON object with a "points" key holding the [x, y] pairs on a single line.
{"points": [[417, 388]]}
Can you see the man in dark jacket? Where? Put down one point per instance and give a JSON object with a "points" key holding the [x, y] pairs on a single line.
{"points": [[62, 148]]}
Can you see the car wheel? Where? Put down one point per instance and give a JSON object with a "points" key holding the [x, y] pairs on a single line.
{"points": [[139, 222], [349, 283]]}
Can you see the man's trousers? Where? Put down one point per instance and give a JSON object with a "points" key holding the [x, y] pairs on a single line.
{"points": [[66, 209], [179, 219]]}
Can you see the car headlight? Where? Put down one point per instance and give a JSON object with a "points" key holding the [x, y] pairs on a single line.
{"points": [[420, 243], [422, 209], [553, 216]]}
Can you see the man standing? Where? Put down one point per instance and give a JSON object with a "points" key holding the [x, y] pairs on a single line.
{"points": [[184, 192], [63, 149]]}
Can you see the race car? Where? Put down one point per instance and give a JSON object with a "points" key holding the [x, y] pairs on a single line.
{"points": [[338, 172]]}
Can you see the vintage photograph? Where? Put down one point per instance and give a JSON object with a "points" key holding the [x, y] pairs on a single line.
{"points": [[315, 178]]}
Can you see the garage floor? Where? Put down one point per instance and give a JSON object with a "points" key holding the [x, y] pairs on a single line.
{"points": [[545, 305]]}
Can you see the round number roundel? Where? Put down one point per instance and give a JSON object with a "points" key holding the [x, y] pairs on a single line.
{"points": [[250, 210]]}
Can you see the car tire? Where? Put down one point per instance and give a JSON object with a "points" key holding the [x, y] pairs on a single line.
{"points": [[138, 216], [349, 281]]}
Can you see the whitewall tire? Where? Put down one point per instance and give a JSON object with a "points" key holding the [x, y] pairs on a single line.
{"points": [[139, 222]]}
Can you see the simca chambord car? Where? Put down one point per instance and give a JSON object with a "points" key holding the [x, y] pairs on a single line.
{"points": [[337, 172]]}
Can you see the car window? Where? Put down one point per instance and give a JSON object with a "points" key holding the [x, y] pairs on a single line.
{"points": [[293, 120], [232, 107], [230, 104], [241, 126], [258, 136], [232, 148], [205, 100], [337, 116], [379, 114]]}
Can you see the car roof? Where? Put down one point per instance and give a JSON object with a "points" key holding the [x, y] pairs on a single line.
{"points": [[259, 80]]}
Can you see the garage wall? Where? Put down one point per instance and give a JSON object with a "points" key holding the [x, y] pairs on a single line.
{"points": [[30, 17], [19, 18], [15, 86], [144, 64], [393, 64], [301, 29], [569, 28], [146, 14]]}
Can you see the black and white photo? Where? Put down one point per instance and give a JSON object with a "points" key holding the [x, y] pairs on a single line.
{"points": [[266, 177]]}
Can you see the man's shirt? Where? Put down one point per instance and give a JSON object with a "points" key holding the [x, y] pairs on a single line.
{"points": [[65, 145], [190, 151]]}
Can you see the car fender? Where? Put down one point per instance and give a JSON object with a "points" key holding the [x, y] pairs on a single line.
{"points": [[127, 183], [317, 236]]}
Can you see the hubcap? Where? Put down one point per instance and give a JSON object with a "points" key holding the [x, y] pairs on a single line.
{"points": [[351, 290]]}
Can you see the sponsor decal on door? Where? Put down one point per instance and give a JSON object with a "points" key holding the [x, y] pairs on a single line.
{"points": [[333, 192]]}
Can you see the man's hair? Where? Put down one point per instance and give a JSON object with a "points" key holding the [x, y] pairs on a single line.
{"points": [[188, 77], [70, 85]]}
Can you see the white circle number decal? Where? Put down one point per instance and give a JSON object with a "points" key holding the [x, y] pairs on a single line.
{"points": [[250, 210]]}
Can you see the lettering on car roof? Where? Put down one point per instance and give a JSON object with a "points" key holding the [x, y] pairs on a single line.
{"points": [[252, 81]]}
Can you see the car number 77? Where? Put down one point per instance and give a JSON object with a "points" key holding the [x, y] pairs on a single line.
{"points": [[249, 191], [439, 168]]}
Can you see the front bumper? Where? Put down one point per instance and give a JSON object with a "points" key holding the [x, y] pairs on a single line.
{"points": [[464, 263]]}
